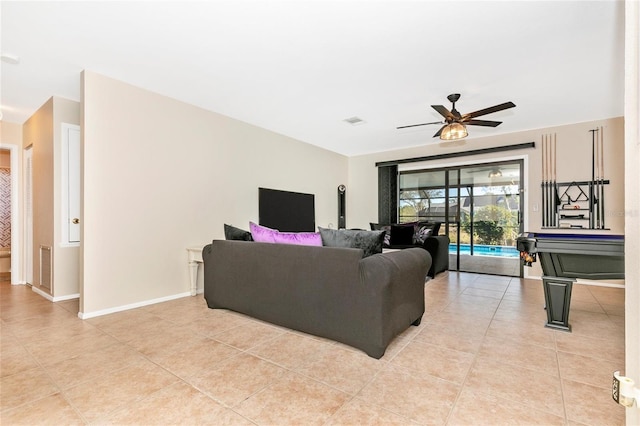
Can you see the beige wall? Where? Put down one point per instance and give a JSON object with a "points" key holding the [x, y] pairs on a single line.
{"points": [[161, 175], [5, 159], [574, 163], [67, 259], [37, 132], [10, 133], [43, 131]]}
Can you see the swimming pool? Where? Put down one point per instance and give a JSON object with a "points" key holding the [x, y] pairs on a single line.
{"points": [[484, 250]]}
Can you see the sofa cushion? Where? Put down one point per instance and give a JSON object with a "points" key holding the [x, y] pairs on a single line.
{"points": [[233, 233], [402, 234], [299, 238], [369, 241], [387, 233], [423, 230], [262, 234], [397, 234], [435, 227]]}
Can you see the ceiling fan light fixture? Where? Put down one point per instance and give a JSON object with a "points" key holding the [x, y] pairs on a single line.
{"points": [[495, 173], [453, 131]]}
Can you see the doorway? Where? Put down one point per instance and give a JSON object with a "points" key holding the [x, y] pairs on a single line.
{"points": [[6, 208], [11, 253], [480, 207]]}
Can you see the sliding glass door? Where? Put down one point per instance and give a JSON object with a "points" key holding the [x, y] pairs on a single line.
{"points": [[479, 206]]}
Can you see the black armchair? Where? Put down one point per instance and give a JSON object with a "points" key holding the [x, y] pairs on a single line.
{"points": [[408, 235], [438, 248]]}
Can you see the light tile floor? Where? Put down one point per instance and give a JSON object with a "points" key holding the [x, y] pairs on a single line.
{"points": [[480, 357]]}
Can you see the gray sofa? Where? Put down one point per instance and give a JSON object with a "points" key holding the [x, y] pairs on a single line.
{"points": [[325, 291]]}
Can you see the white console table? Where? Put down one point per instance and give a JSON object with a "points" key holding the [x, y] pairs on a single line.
{"points": [[195, 259]]}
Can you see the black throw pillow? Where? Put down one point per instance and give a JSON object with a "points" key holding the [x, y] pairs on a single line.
{"points": [[387, 233], [369, 241], [402, 235], [233, 233]]}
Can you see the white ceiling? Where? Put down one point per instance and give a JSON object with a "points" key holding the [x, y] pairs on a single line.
{"points": [[301, 67]]}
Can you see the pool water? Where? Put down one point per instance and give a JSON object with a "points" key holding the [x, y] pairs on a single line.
{"points": [[484, 250]]}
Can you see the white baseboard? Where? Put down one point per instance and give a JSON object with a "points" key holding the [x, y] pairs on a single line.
{"points": [[42, 293], [87, 315], [68, 297], [600, 283], [55, 299]]}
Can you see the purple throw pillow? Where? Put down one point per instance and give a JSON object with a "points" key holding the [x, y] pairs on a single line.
{"points": [[299, 238], [262, 234]]}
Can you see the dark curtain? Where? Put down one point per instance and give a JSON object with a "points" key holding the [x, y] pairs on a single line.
{"points": [[388, 194]]}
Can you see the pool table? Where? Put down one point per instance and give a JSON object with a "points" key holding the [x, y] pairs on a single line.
{"points": [[565, 257]]}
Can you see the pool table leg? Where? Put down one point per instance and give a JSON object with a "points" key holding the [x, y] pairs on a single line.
{"points": [[557, 297]]}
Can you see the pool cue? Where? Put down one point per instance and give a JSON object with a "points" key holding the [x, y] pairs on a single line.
{"points": [[549, 201], [542, 177], [544, 184], [602, 175], [591, 189], [556, 201], [597, 181]]}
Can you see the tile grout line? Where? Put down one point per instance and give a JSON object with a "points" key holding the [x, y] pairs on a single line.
{"points": [[473, 363]]}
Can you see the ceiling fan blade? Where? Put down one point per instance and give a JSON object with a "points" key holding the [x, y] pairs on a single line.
{"points": [[443, 112], [486, 123], [439, 131], [416, 125], [489, 110]]}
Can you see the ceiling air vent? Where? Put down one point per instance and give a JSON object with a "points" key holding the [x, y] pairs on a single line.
{"points": [[354, 121]]}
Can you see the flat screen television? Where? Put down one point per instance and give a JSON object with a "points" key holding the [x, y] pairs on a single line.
{"points": [[286, 211]]}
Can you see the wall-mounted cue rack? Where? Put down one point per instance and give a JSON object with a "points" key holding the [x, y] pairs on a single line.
{"points": [[577, 204]]}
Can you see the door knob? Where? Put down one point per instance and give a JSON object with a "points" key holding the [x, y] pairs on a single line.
{"points": [[75, 221]]}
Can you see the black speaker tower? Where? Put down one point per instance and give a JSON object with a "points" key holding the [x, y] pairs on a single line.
{"points": [[342, 215]]}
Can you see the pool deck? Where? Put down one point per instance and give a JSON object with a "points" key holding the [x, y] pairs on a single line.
{"points": [[497, 265]]}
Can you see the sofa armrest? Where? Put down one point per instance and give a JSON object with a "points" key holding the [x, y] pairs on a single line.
{"points": [[438, 248], [393, 286], [397, 275]]}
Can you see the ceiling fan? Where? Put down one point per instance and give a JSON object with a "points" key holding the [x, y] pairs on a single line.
{"points": [[455, 123]]}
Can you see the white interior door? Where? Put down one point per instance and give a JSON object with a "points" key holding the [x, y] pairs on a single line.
{"points": [[70, 184]]}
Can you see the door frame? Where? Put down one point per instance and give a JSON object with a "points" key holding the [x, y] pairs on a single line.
{"points": [[27, 161]]}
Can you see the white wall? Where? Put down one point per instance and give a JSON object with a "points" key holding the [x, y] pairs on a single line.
{"points": [[160, 175]]}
